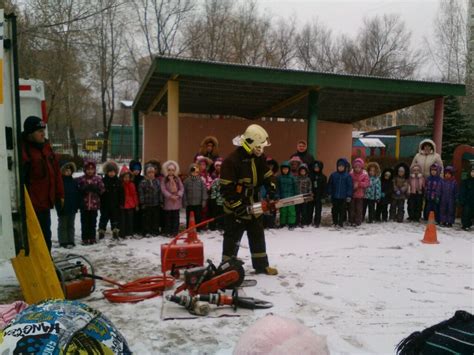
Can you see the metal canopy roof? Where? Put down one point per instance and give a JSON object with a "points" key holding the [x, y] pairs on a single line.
{"points": [[405, 130], [252, 92]]}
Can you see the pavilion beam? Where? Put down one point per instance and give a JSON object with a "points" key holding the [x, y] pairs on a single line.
{"points": [[438, 124], [313, 106], [283, 104], [173, 120], [161, 94], [397, 144]]}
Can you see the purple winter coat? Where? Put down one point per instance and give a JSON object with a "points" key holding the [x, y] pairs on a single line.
{"points": [[433, 188], [169, 203], [449, 195], [90, 189]]}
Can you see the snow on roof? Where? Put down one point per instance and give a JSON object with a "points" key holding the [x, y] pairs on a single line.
{"points": [[372, 142], [126, 103]]}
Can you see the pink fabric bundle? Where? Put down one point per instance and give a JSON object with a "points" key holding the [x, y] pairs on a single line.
{"points": [[9, 311]]}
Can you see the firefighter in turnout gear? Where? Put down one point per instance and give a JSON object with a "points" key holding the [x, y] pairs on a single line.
{"points": [[242, 174]]}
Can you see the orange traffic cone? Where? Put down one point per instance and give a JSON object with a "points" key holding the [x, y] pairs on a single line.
{"points": [[430, 232], [192, 234]]}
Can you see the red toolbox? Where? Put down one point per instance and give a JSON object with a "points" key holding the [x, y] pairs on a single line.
{"points": [[182, 255]]}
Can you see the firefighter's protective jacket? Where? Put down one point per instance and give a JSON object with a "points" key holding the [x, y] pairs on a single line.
{"points": [[242, 175]]}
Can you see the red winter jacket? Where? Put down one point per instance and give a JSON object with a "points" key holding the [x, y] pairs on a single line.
{"points": [[130, 194], [42, 175], [360, 182]]}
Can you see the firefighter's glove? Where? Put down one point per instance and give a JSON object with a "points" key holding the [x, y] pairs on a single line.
{"points": [[270, 205]]}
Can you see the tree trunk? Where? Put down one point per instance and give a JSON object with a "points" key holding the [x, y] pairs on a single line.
{"points": [[105, 146]]}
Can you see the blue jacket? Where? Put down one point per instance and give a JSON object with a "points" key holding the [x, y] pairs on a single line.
{"points": [[71, 197], [340, 184]]}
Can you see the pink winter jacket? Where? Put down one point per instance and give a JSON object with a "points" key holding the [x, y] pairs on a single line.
{"points": [[171, 204], [360, 182]]}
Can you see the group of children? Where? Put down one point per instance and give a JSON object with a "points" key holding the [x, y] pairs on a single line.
{"points": [[132, 203], [150, 204], [363, 191]]}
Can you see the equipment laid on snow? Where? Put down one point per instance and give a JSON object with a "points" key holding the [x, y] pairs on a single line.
{"points": [[210, 279], [188, 254], [268, 206], [199, 304], [73, 272]]}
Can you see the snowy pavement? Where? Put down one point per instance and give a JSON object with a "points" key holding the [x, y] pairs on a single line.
{"points": [[364, 288]]}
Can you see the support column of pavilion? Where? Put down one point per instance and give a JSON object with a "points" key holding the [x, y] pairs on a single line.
{"points": [[311, 133]]}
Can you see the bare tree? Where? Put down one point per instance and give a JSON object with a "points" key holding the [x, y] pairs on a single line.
{"points": [[316, 49], [107, 55], [161, 22], [381, 48], [49, 51], [207, 34], [448, 49]]}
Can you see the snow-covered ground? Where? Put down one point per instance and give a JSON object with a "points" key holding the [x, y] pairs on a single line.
{"points": [[364, 288]]}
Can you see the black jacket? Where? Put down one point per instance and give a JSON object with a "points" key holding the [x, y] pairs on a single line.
{"points": [[319, 182], [113, 196], [242, 175], [387, 187]]}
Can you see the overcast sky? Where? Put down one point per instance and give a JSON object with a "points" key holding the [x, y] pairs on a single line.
{"points": [[346, 16]]}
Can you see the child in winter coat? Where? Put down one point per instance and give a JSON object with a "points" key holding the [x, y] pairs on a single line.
{"points": [[386, 181], [319, 186], [360, 182], [216, 202], [129, 203], [373, 194], [449, 196], [466, 200], [136, 168], [269, 219], [286, 187], [110, 200], [433, 192], [340, 191], [149, 194], [67, 212], [400, 191], [90, 188], [295, 162], [416, 190], [304, 211], [172, 190], [195, 194]]}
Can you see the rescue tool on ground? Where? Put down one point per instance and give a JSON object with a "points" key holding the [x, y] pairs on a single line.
{"points": [[200, 304]]}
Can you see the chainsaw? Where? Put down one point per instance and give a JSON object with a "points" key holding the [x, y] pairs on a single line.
{"points": [[229, 274], [269, 206]]}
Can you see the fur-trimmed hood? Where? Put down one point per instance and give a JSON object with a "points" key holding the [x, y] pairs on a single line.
{"points": [[209, 139], [110, 166], [168, 163], [429, 141], [390, 170], [69, 165], [375, 165]]}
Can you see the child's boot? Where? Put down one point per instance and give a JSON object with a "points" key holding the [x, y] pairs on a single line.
{"points": [[115, 233], [101, 234]]}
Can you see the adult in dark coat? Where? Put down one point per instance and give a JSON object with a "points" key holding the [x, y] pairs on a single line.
{"points": [[42, 175], [302, 153]]}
